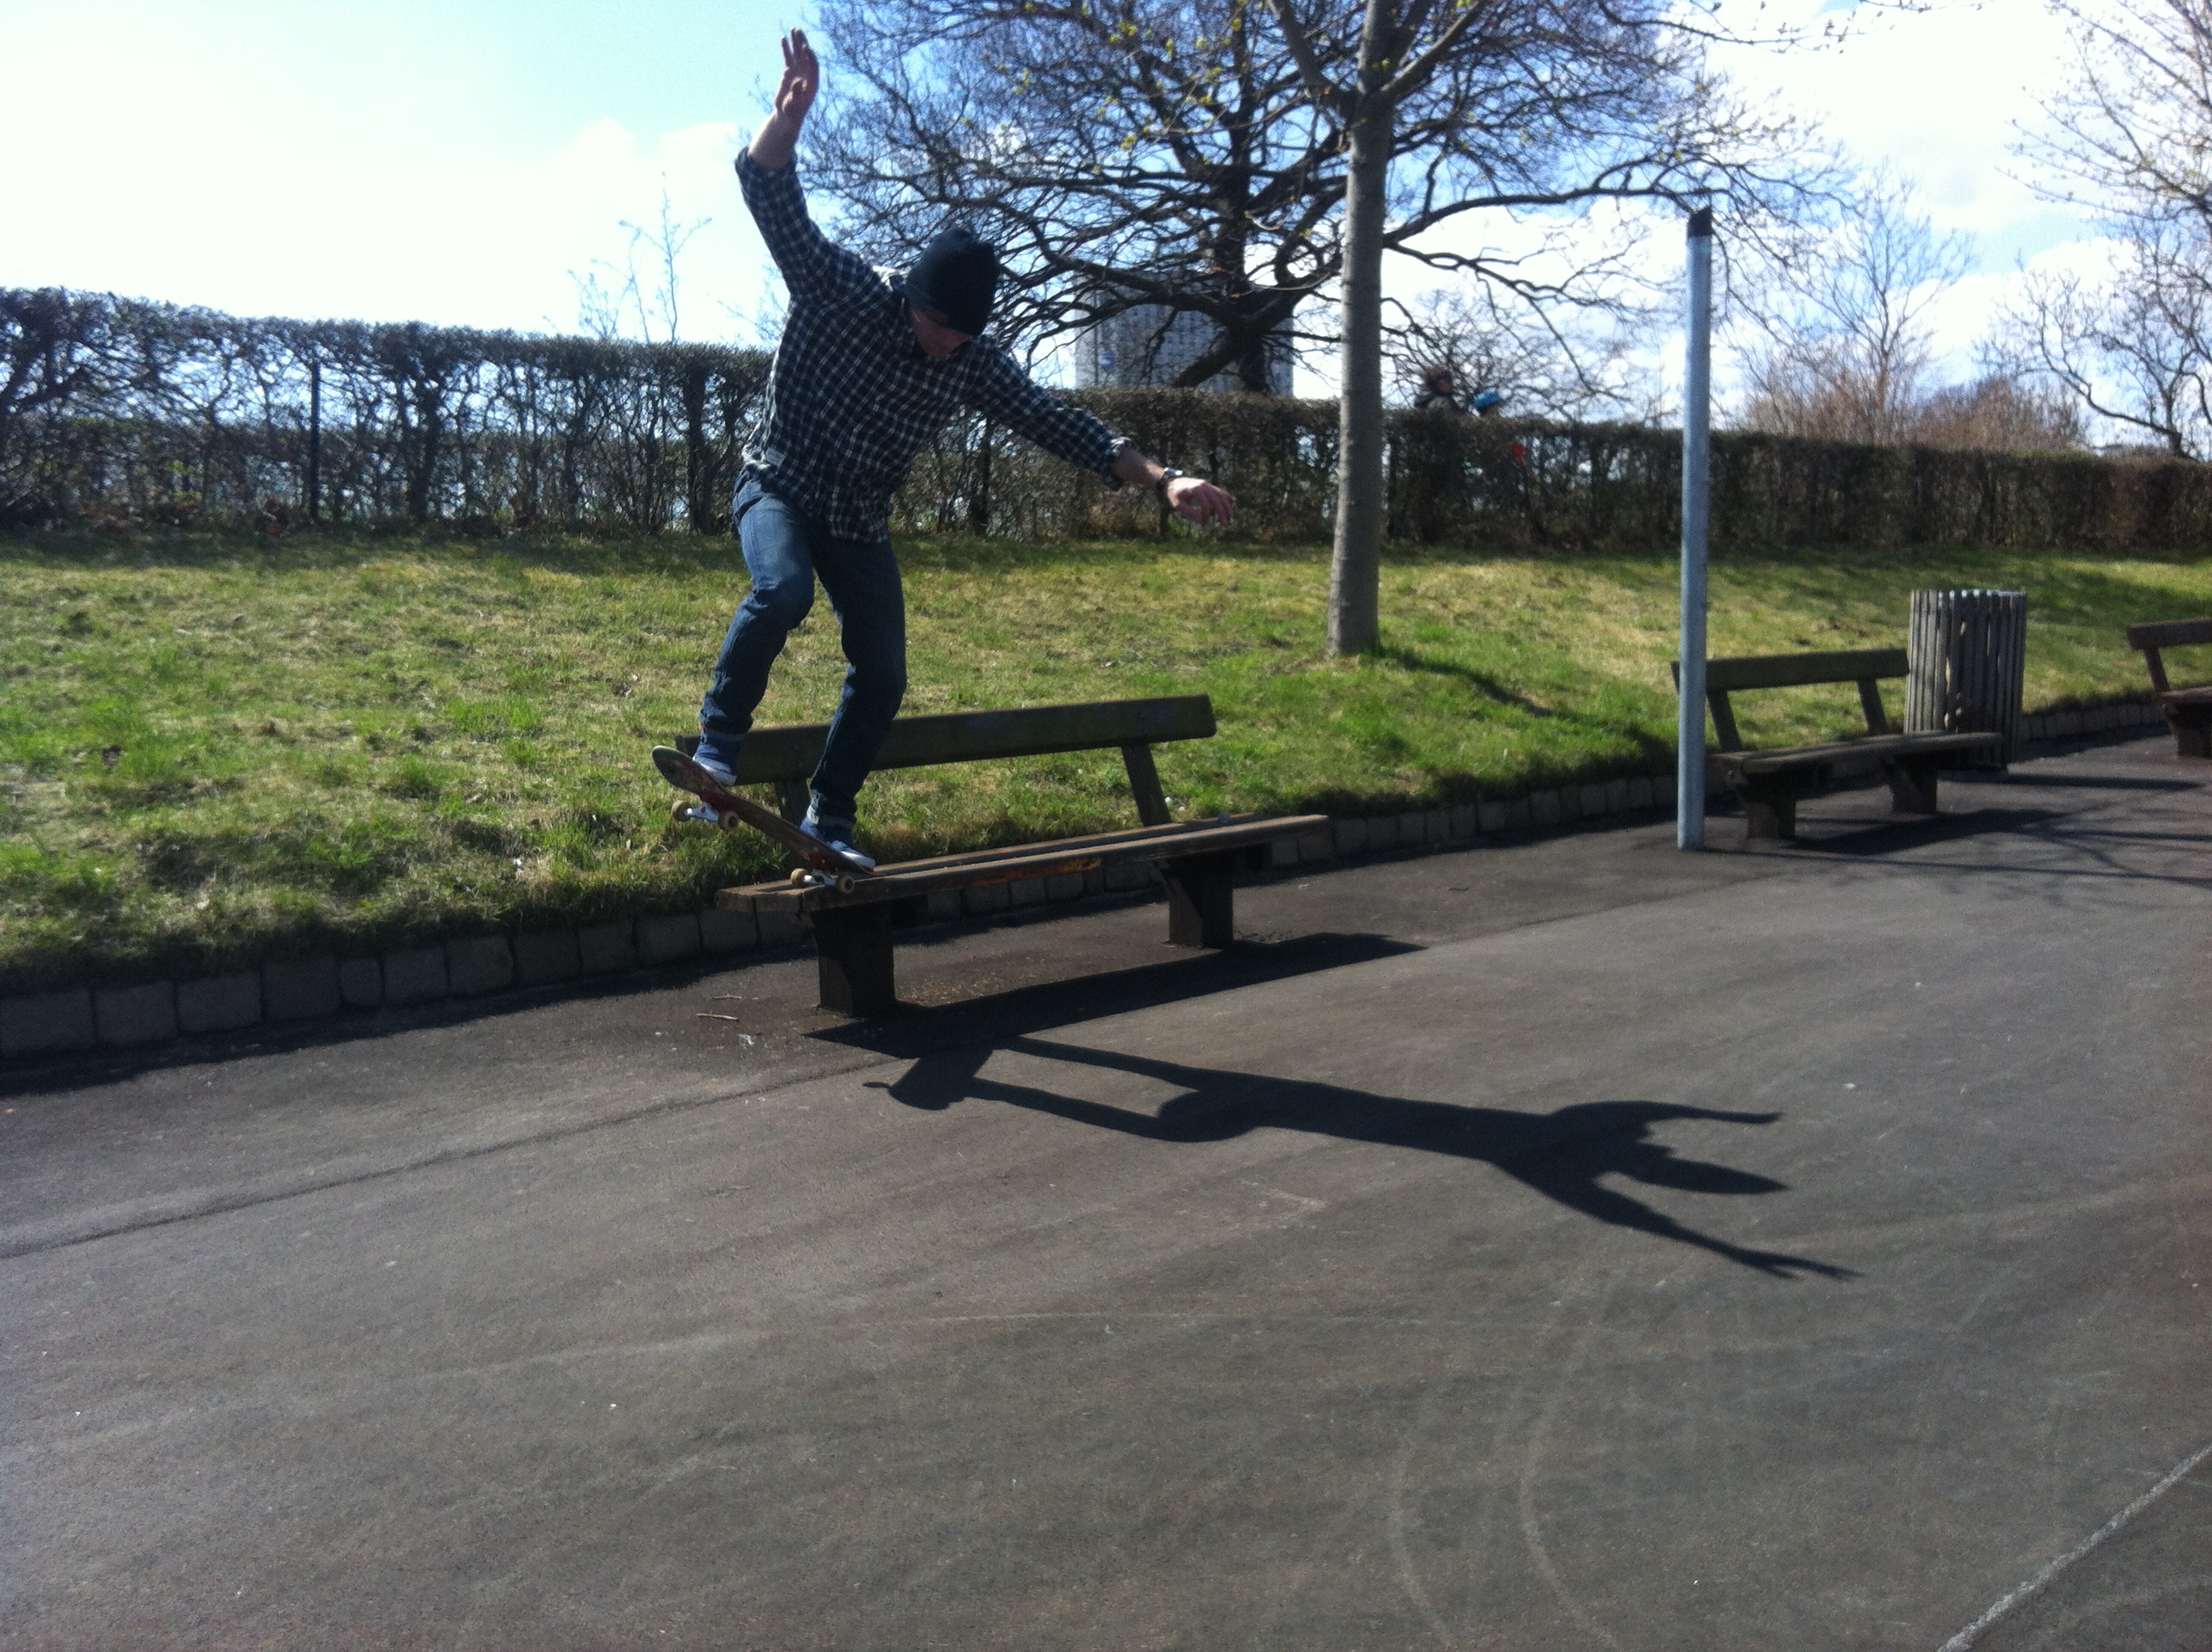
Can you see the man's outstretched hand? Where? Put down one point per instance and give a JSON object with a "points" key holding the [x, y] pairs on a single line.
{"points": [[802, 77], [777, 140], [1202, 503], [1207, 504]]}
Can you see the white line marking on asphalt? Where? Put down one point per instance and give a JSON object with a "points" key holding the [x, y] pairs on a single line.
{"points": [[1532, 1529], [1409, 1576], [2035, 1585], [1299, 1200]]}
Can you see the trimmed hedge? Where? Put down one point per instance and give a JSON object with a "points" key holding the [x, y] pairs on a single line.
{"points": [[154, 412], [113, 408]]}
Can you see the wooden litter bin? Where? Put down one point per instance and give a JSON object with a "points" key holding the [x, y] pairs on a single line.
{"points": [[1966, 655]]}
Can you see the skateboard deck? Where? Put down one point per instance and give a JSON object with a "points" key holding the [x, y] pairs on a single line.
{"points": [[726, 809]]}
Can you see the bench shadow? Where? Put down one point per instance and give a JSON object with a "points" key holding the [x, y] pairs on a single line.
{"points": [[2098, 849], [997, 1017], [1856, 837], [1562, 1155], [2111, 783]]}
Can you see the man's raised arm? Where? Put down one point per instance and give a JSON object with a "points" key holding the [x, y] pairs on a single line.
{"points": [[813, 266], [777, 140]]}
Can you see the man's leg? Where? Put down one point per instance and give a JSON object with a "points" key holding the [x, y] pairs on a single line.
{"points": [[779, 555], [861, 578]]}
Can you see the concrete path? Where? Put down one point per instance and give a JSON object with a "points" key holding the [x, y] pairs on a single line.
{"points": [[1573, 1245]]}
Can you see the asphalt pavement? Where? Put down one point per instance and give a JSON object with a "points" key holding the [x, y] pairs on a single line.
{"points": [[1572, 1243]]}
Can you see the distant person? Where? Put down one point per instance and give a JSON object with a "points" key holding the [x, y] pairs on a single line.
{"points": [[871, 364], [1439, 388]]}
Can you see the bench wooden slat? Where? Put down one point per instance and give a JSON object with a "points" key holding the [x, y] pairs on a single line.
{"points": [[1731, 674], [789, 751], [908, 879], [1874, 749], [2170, 634], [1086, 840]]}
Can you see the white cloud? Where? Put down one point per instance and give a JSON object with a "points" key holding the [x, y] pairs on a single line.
{"points": [[288, 157], [243, 158], [1941, 98]]}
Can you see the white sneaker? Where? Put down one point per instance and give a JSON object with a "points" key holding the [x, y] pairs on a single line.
{"points": [[837, 836], [717, 767]]}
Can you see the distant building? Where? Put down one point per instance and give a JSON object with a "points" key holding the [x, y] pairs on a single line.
{"points": [[1128, 351]]}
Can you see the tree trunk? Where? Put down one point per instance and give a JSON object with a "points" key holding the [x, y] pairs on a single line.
{"points": [[979, 497], [1355, 568], [699, 509]]}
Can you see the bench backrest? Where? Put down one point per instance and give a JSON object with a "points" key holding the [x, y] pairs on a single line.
{"points": [[2167, 633], [1735, 673], [785, 754]]}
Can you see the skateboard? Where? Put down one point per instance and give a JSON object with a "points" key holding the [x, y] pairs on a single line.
{"points": [[825, 868]]}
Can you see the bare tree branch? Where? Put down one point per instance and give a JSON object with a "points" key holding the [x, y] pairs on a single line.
{"points": [[2132, 139]]}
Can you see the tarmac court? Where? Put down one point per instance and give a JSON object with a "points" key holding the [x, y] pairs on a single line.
{"points": [[1571, 1243]]}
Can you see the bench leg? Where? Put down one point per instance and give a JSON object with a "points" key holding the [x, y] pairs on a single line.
{"points": [[2192, 730], [1913, 785], [1201, 899], [1770, 814], [853, 959]]}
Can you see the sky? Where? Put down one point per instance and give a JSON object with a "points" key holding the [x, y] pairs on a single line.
{"points": [[444, 161], [1942, 96], [462, 161]]}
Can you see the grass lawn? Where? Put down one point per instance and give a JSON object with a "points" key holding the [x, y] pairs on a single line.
{"points": [[209, 742]]}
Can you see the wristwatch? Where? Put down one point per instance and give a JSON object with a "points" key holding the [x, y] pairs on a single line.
{"points": [[1168, 474]]}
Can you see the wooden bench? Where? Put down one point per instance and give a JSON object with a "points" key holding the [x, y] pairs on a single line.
{"points": [[2188, 711], [1769, 783], [1198, 859]]}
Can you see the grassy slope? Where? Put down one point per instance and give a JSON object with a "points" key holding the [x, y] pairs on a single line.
{"points": [[209, 740]]}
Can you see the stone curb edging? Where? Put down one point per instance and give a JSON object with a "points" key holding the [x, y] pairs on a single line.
{"points": [[290, 990]]}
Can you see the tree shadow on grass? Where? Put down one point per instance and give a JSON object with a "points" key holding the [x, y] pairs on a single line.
{"points": [[1562, 1155], [1489, 687], [1648, 746]]}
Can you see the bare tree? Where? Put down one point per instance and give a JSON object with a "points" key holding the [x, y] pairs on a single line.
{"points": [[653, 296], [2000, 412], [1601, 100], [2129, 135], [1540, 364], [2132, 140], [53, 346], [1844, 347], [2135, 349], [1213, 157]]}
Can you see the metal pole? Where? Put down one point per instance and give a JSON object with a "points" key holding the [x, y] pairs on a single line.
{"points": [[1697, 456], [314, 439]]}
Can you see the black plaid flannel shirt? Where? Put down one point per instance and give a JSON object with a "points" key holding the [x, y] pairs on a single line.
{"points": [[851, 398]]}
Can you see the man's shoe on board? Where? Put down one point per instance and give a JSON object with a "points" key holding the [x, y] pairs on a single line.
{"points": [[838, 835], [716, 763]]}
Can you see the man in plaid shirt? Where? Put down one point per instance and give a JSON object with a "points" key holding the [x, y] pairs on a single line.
{"points": [[871, 366]]}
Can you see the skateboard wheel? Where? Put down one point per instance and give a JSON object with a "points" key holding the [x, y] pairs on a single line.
{"points": [[845, 884], [799, 878], [680, 809]]}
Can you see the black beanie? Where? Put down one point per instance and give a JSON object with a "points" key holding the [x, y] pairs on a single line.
{"points": [[957, 275]]}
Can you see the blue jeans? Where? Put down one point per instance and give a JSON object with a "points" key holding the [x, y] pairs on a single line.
{"points": [[785, 553]]}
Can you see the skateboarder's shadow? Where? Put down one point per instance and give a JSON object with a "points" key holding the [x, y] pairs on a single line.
{"points": [[1562, 1154]]}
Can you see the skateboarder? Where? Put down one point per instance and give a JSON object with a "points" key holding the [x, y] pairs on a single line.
{"points": [[871, 364]]}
